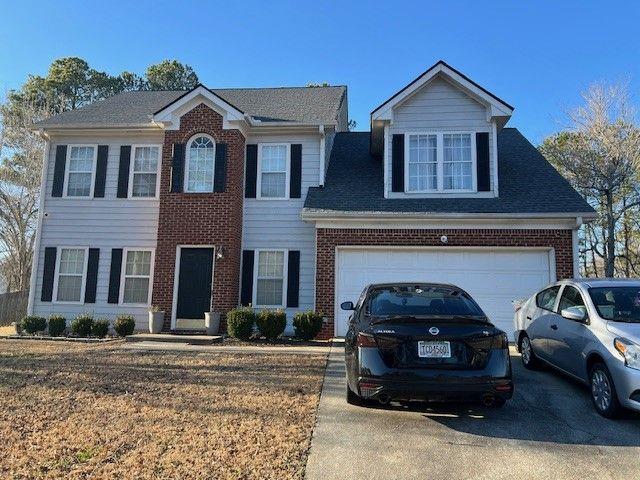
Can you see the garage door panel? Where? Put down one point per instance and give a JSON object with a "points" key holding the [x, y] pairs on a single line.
{"points": [[493, 277]]}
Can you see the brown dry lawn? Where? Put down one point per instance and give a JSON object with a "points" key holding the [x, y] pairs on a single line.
{"points": [[95, 411]]}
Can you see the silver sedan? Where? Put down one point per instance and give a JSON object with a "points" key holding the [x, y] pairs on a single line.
{"points": [[588, 329]]}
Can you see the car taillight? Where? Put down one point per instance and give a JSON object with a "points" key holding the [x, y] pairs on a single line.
{"points": [[365, 340]]}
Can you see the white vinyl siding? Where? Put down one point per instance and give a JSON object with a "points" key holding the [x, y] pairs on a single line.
{"points": [[145, 171], [276, 225], [439, 107], [136, 277], [70, 274], [103, 223]]}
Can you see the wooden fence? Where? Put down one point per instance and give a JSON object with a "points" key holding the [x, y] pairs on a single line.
{"points": [[13, 306]]}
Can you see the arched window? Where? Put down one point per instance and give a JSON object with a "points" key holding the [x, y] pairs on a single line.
{"points": [[200, 158]]}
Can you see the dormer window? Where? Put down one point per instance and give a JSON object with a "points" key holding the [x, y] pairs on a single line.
{"points": [[440, 162], [200, 164]]}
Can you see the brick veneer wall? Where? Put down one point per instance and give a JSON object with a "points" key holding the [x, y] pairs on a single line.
{"points": [[201, 218], [328, 239]]}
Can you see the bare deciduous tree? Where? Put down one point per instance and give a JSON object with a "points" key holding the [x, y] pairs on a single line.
{"points": [[600, 156]]}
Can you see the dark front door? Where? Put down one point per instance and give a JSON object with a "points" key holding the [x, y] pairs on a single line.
{"points": [[194, 282]]}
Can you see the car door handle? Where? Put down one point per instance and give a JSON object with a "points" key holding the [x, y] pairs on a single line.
{"points": [[528, 317], [554, 327]]}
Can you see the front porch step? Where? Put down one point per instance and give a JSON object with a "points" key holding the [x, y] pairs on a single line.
{"points": [[173, 338]]}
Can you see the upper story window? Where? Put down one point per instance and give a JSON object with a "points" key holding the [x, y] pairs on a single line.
{"points": [[81, 161], [200, 159], [144, 171], [440, 162], [273, 170]]}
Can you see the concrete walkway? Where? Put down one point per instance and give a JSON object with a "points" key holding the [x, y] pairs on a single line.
{"points": [[548, 431], [222, 348]]}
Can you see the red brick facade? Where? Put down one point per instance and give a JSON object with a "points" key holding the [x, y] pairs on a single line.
{"points": [[329, 239], [201, 218]]}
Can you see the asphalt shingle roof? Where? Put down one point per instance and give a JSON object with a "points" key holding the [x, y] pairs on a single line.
{"points": [[292, 104], [528, 183]]}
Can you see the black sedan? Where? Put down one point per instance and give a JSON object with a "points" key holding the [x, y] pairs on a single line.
{"points": [[425, 342]]}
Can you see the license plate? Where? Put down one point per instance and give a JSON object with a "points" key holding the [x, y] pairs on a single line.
{"points": [[434, 349]]}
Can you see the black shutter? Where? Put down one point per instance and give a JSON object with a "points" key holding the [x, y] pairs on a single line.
{"points": [[177, 168], [58, 171], [397, 163], [295, 179], [246, 290], [293, 279], [92, 276], [114, 275], [101, 171], [220, 174], [251, 173], [123, 172], [482, 162], [49, 272]]}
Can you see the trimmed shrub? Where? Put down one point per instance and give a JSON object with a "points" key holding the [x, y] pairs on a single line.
{"points": [[271, 323], [124, 325], [57, 324], [33, 324], [100, 328], [240, 322], [81, 325], [307, 324]]}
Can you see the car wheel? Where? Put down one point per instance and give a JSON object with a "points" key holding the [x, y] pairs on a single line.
{"points": [[354, 399], [603, 391], [529, 359]]}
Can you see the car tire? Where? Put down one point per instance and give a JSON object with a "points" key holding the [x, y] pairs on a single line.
{"points": [[354, 399], [603, 391], [529, 359]]}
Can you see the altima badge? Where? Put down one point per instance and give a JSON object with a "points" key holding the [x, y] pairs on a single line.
{"points": [[434, 331]]}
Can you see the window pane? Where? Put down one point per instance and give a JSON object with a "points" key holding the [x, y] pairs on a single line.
{"points": [[81, 159], [271, 264], [71, 261], [423, 155], [144, 185], [69, 288], [201, 158], [269, 292], [138, 263], [274, 158], [457, 164], [273, 185], [79, 184], [136, 290], [146, 159]]}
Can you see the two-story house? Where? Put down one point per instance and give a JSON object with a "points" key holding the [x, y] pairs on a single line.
{"points": [[204, 200]]}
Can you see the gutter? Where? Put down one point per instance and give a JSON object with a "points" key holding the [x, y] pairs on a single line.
{"points": [[36, 247]]}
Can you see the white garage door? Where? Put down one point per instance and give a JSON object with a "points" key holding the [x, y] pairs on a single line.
{"points": [[493, 277]]}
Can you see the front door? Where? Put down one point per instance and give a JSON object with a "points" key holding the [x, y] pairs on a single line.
{"points": [[194, 287]]}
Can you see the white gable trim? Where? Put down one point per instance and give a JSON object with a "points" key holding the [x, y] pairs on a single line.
{"points": [[170, 115], [495, 107]]}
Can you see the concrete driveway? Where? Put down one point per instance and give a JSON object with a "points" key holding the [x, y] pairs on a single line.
{"points": [[549, 430]]}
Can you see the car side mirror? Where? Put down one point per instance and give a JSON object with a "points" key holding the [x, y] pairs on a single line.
{"points": [[576, 314], [347, 306]]}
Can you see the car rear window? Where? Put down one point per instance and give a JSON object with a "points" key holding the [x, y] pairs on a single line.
{"points": [[619, 304], [421, 301]]}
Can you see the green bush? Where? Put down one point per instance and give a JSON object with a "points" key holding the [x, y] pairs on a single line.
{"points": [[271, 323], [100, 328], [81, 325], [240, 322], [124, 325], [32, 324], [307, 324], [57, 324]]}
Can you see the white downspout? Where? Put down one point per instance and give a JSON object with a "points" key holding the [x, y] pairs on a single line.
{"points": [[36, 247], [576, 248], [323, 154]]}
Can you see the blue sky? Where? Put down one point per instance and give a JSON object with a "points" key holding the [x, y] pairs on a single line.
{"points": [[536, 55]]}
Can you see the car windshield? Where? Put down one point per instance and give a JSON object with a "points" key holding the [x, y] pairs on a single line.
{"points": [[619, 304], [403, 300]]}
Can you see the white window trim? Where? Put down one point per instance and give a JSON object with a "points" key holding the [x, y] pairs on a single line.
{"points": [[287, 173], [185, 180], [440, 162], [123, 268], [285, 276], [57, 274], [93, 170], [131, 172]]}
